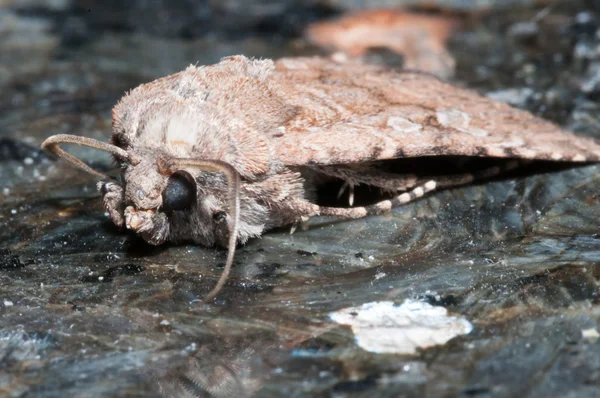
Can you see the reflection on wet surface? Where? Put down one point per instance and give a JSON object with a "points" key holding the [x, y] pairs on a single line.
{"points": [[87, 309]]}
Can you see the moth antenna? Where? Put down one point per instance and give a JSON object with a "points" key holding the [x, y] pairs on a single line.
{"points": [[234, 184], [52, 145]]}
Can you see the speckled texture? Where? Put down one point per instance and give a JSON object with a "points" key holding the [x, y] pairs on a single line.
{"points": [[88, 310]]}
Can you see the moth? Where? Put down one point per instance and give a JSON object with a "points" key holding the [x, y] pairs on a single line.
{"points": [[219, 154]]}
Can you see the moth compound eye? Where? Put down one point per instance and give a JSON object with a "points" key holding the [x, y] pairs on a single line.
{"points": [[219, 216], [180, 192]]}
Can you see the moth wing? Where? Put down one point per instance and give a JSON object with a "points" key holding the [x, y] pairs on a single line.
{"points": [[349, 113]]}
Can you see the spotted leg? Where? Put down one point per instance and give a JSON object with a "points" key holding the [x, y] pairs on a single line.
{"points": [[424, 187], [379, 207], [364, 175]]}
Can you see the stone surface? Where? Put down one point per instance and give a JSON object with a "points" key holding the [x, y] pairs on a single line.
{"points": [[87, 310]]}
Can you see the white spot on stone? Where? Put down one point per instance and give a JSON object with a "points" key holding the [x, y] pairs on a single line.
{"points": [[579, 158], [404, 198], [430, 185], [590, 334], [8, 303], [383, 327], [13, 211], [418, 192], [379, 275], [403, 125], [556, 156], [28, 161]]}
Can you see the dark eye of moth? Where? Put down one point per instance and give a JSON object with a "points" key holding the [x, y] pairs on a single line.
{"points": [[219, 216], [180, 192]]}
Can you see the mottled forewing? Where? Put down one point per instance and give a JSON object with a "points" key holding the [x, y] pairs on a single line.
{"points": [[349, 113]]}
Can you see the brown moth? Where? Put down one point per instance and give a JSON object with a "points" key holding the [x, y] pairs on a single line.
{"points": [[219, 154]]}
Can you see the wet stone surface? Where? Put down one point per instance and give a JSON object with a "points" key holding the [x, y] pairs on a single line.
{"points": [[88, 310]]}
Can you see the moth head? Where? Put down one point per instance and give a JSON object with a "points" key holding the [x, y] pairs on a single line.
{"points": [[153, 183], [200, 204], [217, 208], [144, 184]]}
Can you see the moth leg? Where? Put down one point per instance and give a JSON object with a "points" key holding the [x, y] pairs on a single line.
{"points": [[352, 177], [153, 227], [369, 176], [392, 183], [467, 178], [302, 223], [379, 207], [350, 188], [113, 199], [424, 187]]}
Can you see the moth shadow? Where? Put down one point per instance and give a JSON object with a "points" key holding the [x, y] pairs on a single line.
{"points": [[135, 247], [449, 172]]}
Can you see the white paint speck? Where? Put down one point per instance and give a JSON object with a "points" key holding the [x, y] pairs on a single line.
{"points": [[379, 275], [8, 303], [28, 161], [383, 327], [13, 211], [590, 334], [164, 322]]}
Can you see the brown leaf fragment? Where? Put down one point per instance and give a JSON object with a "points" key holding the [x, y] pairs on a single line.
{"points": [[419, 38]]}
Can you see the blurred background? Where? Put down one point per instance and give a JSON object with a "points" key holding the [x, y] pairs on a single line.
{"points": [[74, 56], [87, 310]]}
